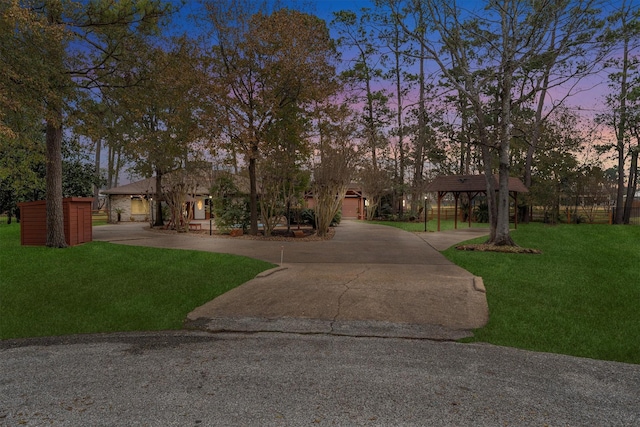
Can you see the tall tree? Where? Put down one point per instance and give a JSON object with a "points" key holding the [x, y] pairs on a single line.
{"points": [[398, 62], [163, 113], [262, 64], [362, 79], [334, 164], [488, 49], [570, 54], [364, 75], [282, 168], [623, 34], [85, 36]]}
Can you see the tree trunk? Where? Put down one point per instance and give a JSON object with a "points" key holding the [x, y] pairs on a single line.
{"points": [[372, 129], [619, 216], [502, 236], [620, 133], [631, 188], [55, 213], [118, 166], [535, 138], [400, 123], [96, 188], [465, 145], [491, 192], [110, 167], [418, 168], [253, 192], [487, 160], [159, 221]]}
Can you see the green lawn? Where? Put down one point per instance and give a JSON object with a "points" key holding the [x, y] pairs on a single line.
{"points": [[102, 287], [580, 297], [432, 225]]}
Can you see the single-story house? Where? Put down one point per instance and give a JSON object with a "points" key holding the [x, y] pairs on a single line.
{"points": [[133, 202]]}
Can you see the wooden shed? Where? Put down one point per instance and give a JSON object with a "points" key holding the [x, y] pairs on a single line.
{"points": [[77, 221]]}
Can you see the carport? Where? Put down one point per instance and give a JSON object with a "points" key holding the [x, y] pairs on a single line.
{"points": [[471, 185]]}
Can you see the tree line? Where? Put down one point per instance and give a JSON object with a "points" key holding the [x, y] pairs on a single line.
{"points": [[388, 96]]}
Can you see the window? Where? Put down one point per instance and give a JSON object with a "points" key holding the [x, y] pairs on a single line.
{"points": [[139, 206]]}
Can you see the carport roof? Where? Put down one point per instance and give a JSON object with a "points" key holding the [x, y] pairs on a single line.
{"points": [[470, 183]]}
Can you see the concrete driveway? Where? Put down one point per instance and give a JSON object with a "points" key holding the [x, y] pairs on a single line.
{"points": [[195, 378], [369, 280]]}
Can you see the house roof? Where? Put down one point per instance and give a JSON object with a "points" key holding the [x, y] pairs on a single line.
{"points": [[471, 183], [146, 186]]}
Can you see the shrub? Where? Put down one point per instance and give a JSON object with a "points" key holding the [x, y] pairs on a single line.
{"points": [[308, 216], [230, 206], [337, 218], [481, 213]]}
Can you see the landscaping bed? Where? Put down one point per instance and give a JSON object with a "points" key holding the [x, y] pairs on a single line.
{"points": [[304, 234]]}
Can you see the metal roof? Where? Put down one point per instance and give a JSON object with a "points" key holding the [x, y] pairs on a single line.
{"points": [[471, 183]]}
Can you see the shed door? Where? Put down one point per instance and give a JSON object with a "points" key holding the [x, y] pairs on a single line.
{"points": [[80, 222]]}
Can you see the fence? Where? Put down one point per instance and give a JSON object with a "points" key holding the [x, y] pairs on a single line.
{"points": [[567, 215]]}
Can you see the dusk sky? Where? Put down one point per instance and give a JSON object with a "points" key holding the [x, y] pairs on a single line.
{"points": [[587, 98], [590, 99]]}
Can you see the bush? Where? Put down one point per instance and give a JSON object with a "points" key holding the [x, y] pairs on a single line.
{"points": [[481, 213], [337, 218], [296, 216], [232, 214], [230, 206], [308, 216]]}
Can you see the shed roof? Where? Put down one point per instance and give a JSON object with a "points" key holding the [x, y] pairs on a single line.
{"points": [[471, 183]]}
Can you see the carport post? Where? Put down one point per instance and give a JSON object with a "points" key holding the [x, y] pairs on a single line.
{"points": [[425, 213]]}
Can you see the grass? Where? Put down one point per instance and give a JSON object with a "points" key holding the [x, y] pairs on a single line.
{"points": [[99, 218], [102, 287], [580, 297], [432, 225]]}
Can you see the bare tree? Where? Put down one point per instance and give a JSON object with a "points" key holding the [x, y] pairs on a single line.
{"points": [[624, 102], [336, 158], [486, 49], [75, 43], [177, 187], [362, 78]]}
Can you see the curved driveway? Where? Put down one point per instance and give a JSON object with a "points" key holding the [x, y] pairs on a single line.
{"points": [[193, 378], [369, 280]]}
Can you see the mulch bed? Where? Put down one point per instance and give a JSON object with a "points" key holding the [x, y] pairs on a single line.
{"points": [[281, 235], [483, 247]]}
